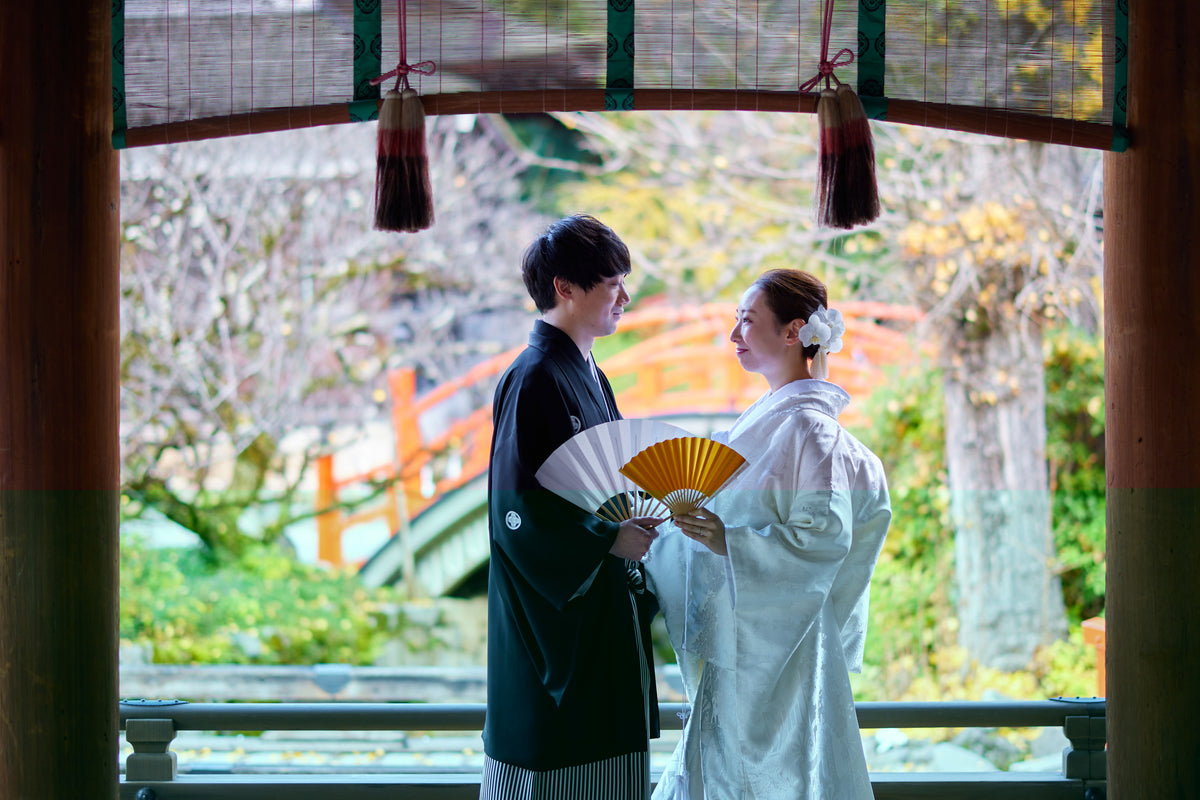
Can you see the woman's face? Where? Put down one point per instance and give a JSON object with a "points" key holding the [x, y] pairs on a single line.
{"points": [[762, 343]]}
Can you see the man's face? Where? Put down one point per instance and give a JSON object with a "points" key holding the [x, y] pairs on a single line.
{"points": [[599, 309]]}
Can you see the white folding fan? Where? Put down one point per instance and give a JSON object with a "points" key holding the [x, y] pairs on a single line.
{"points": [[586, 469]]}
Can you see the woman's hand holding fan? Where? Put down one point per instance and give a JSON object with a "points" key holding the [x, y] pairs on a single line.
{"points": [[704, 527]]}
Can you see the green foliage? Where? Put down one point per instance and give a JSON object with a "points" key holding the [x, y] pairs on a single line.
{"points": [[231, 521], [1075, 452], [911, 650], [558, 148], [265, 608], [1067, 668], [215, 516], [912, 610]]}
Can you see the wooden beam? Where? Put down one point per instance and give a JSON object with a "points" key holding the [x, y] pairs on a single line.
{"points": [[59, 455], [1152, 386], [967, 119]]}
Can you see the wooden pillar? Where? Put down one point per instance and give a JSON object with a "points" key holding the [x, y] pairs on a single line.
{"points": [[59, 456], [1152, 387]]}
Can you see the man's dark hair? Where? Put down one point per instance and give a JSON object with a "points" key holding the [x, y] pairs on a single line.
{"points": [[580, 249]]}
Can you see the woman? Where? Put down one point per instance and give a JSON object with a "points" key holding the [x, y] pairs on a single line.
{"points": [[765, 595]]}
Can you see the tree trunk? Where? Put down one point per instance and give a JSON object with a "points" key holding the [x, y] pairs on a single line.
{"points": [[1009, 597]]}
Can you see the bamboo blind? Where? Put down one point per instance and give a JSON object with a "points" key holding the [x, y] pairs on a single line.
{"points": [[1045, 70]]}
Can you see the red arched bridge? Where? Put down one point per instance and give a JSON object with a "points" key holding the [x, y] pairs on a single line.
{"points": [[681, 368]]}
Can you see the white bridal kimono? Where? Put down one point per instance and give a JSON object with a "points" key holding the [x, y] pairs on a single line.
{"points": [[766, 637]]}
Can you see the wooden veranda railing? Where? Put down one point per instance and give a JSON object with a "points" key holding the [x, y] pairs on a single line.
{"points": [[151, 770], [681, 364]]}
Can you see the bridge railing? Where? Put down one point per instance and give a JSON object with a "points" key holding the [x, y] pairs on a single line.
{"points": [[683, 364], [151, 771]]}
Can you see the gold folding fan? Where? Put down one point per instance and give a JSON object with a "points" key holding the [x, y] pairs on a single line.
{"points": [[683, 473]]}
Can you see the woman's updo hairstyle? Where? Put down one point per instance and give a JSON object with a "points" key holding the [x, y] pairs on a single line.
{"points": [[793, 294]]}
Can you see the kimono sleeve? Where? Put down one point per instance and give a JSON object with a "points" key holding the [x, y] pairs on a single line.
{"points": [[555, 546], [782, 574], [783, 568], [692, 590], [801, 530], [851, 591]]}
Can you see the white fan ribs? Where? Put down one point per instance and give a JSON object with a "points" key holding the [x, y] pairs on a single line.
{"points": [[586, 469]]}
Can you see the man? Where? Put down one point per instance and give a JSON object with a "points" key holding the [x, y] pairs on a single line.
{"points": [[571, 700]]}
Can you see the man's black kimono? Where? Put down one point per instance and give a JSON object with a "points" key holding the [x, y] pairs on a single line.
{"points": [[564, 673]]}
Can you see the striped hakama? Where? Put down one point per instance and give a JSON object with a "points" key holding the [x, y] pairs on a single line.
{"points": [[624, 777]]}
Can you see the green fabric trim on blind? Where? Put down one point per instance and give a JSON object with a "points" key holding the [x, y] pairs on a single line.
{"points": [[120, 123], [1120, 76], [363, 110], [872, 50], [1120, 142], [874, 107], [618, 84], [368, 48]]}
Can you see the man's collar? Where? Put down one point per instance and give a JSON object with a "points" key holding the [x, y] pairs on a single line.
{"points": [[546, 337]]}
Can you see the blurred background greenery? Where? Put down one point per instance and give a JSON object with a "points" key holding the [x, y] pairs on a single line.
{"points": [[295, 312]]}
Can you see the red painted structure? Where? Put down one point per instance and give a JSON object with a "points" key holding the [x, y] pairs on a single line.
{"points": [[683, 364]]}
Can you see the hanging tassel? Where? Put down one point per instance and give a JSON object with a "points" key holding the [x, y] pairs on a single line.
{"points": [[829, 124], [846, 193], [403, 193], [856, 192]]}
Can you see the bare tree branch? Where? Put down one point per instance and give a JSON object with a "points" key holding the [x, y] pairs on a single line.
{"points": [[258, 303]]}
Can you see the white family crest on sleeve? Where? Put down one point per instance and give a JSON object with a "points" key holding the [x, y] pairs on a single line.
{"points": [[576, 425], [513, 520]]}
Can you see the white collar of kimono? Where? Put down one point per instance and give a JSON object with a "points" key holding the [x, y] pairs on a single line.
{"points": [[823, 396], [591, 362]]}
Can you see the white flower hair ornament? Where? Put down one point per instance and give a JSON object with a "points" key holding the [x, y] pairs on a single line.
{"points": [[824, 329]]}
